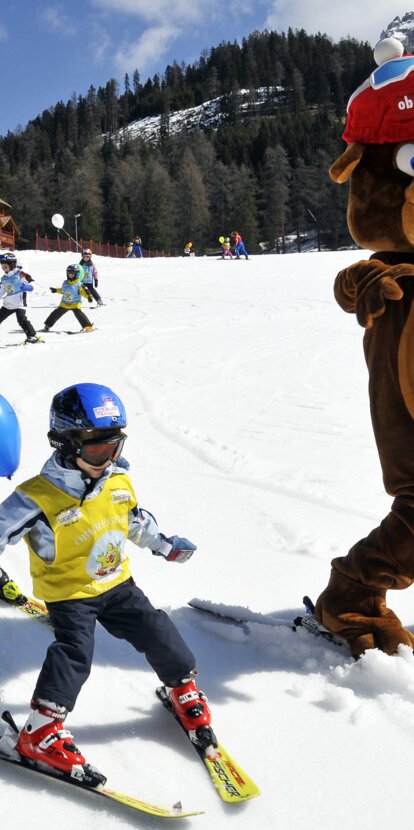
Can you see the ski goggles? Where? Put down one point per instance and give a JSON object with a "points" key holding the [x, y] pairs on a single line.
{"points": [[97, 451]]}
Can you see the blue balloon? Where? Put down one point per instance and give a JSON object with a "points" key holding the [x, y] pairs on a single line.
{"points": [[10, 439]]}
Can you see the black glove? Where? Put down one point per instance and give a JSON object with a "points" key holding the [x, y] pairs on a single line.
{"points": [[9, 591], [53, 290], [96, 283]]}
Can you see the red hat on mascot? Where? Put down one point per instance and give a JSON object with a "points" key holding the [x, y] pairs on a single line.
{"points": [[381, 110]]}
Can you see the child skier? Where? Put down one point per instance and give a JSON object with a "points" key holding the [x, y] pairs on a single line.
{"points": [[12, 287], [75, 518], [136, 247], [226, 249], [238, 244], [72, 292], [90, 278]]}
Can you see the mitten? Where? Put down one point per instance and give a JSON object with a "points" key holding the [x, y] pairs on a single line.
{"points": [[364, 288], [175, 549]]}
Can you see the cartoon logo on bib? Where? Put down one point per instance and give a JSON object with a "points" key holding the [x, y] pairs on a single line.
{"points": [[105, 560]]}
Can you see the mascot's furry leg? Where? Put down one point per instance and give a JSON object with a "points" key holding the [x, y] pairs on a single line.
{"points": [[353, 604]]}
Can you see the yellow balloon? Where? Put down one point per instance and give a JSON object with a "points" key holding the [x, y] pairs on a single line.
{"points": [[221, 239]]}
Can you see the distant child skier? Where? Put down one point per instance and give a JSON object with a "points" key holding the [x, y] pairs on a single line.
{"points": [[72, 292], [90, 278], [136, 247], [76, 517], [12, 287], [226, 248], [238, 245]]}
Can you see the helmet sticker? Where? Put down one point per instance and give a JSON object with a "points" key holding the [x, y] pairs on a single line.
{"points": [[109, 408]]}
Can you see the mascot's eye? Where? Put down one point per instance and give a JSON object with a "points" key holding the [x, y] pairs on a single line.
{"points": [[404, 159]]}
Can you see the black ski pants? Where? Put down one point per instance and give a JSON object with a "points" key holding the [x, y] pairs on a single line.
{"points": [[22, 320], [58, 312], [126, 613], [92, 290]]}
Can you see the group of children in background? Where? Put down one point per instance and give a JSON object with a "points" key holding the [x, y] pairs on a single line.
{"points": [[81, 281]]}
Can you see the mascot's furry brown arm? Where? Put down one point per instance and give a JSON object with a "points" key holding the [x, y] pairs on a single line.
{"points": [[379, 161]]}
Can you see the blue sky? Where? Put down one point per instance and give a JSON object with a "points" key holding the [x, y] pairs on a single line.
{"points": [[51, 50]]}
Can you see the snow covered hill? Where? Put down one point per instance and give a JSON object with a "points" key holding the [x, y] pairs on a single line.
{"points": [[208, 115], [249, 433]]}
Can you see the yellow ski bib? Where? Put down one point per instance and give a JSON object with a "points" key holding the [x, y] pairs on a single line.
{"points": [[89, 539]]}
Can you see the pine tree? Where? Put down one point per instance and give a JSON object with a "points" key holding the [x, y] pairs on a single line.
{"points": [[136, 82], [192, 215], [221, 200], [276, 178], [157, 201], [244, 213], [24, 192]]}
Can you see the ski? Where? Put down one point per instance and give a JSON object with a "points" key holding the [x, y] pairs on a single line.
{"points": [[231, 782], [244, 617], [82, 331], [37, 610], [175, 811], [31, 608], [64, 331], [21, 343]]}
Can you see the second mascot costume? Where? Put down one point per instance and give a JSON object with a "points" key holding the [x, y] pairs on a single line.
{"points": [[379, 161]]}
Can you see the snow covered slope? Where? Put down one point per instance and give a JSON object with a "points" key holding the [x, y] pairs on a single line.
{"points": [[249, 433]]}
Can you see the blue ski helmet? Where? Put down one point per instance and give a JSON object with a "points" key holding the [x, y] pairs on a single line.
{"points": [[10, 439], [86, 406], [73, 272], [8, 258]]}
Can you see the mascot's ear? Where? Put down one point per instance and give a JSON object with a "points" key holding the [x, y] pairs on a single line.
{"points": [[342, 168]]}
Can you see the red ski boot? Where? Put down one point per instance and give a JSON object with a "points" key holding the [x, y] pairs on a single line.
{"points": [[190, 708], [45, 742]]}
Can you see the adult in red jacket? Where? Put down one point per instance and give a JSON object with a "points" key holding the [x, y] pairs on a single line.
{"points": [[238, 245]]}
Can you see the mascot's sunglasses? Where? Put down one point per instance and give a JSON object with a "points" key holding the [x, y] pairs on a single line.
{"points": [[98, 450]]}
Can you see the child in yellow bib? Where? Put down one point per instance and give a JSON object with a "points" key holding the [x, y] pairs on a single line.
{"points": [[76, 517]]}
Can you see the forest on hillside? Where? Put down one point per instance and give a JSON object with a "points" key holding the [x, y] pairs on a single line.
{"points": [[262, 170]]}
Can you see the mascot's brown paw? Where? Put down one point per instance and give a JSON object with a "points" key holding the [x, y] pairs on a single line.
{"points": [[365, 287], [360, 616]]}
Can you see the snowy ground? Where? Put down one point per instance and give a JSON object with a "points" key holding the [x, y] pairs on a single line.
{"points": [[249, 433]]}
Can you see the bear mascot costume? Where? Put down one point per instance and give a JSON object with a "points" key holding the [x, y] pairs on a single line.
{"points": [[379, 162]]}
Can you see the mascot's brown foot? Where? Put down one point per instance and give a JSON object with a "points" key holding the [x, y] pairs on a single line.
{"points": [[360, 616]]}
